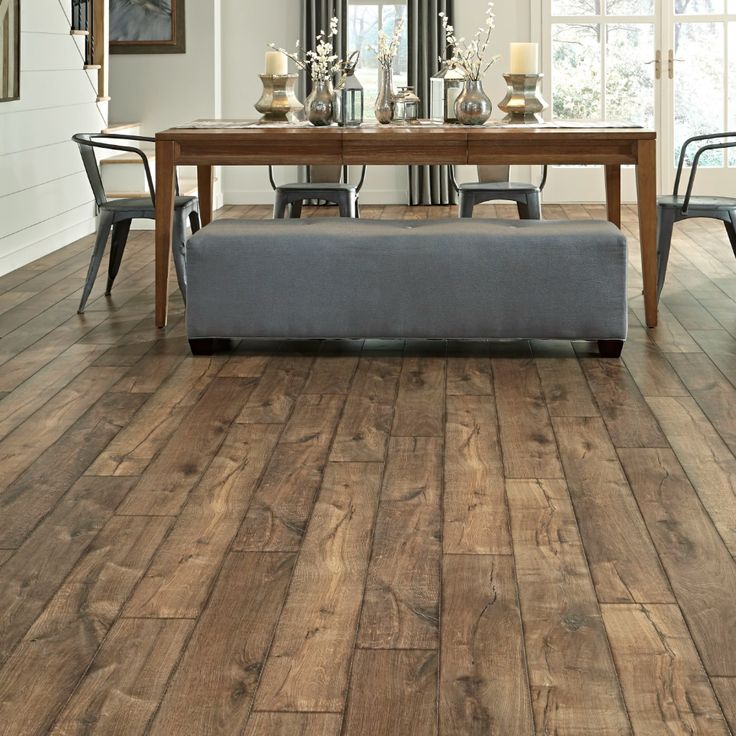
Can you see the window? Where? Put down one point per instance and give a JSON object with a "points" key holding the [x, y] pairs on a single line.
{"points": [[365, 18]]}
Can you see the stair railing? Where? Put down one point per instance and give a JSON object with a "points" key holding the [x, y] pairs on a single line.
{"points": [[83, 20]]}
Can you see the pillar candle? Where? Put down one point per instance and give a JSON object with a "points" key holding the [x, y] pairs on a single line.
{"points": [[276, 63], [524, 58]]}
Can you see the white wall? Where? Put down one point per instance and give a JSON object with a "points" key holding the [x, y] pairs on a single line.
{"points": [[45, 199]]}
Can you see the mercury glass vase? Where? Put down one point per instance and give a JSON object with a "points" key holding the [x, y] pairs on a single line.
{"points": [[384, 107], [473, 106], [319, 104]]}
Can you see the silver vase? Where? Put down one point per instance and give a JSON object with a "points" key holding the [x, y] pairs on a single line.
{"points": [[473, 106], [319, 104], [384, 107]]}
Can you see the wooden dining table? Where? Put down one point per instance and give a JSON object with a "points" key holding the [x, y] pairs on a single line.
{"points": [[260, 145]]}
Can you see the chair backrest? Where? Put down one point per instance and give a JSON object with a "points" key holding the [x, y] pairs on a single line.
{"points": [[494, 173], [325, 174], [91, 166]]}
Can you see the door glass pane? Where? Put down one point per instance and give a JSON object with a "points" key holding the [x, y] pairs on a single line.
{"points": [[629, 79], [699, 84], [699, 7], [576, 7], [576, 71], [630, 7]]}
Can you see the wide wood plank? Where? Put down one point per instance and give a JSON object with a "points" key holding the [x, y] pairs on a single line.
{"points": [[278, 513], [629, 420], [401, 606], [392, 692], [419, 407], [700, 569], [127, 679], [475, 515], [36, 491], [565, 389], [707, 461], [30, 578], [622, 558], [483, 682], [41, 674], [166, 483], [664, 684], [143, 438], [274, 397], [529, 449], [213, 688], [725, 688], [571, 673], [294, 724], [307, 668], [177, 583]]}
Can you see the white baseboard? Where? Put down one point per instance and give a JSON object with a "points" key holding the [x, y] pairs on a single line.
{"points": [[12, 261]]}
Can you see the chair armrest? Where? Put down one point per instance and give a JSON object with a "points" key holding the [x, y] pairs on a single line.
{"points": [[694, 170], [683, 152]]}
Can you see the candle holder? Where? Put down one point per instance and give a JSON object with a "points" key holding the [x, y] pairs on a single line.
{"points": [[523, 102], [279, 103]]}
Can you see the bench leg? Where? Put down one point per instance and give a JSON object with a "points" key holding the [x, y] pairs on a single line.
{"points": [[610, 348], [209, 345]]}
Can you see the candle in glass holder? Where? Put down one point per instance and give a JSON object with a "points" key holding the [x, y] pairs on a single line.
{"points": [[524, 58], [277, 64]]}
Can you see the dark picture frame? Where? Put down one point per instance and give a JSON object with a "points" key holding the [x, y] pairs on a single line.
{"points": [[10, 50], [123, 10]]}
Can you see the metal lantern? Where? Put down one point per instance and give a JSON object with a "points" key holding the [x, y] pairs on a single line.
{"points": [[349, 95], [406, 106], [445, 86]]}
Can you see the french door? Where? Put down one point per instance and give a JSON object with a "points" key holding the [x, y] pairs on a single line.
{"points": [[667, 64]]}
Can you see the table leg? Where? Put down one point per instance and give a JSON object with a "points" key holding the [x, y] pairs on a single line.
{"points": [[204, 191], [646, 183], [165, 189], [613, 193]]}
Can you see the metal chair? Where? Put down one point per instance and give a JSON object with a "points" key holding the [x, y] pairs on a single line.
{"points": [[118, 214], [493, 183], [672, 209], [325, 183]]}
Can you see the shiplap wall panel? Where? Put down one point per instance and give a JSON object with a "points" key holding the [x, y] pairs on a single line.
{"points": [[45, 199]]}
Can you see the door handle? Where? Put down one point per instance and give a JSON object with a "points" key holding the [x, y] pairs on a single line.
{"points": [[657, 61], [671, 64]]}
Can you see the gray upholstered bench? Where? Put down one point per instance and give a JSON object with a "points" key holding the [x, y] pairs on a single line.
{"points": [[460, 279]]}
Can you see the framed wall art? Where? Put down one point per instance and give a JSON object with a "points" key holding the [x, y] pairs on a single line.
{"points": [[9, 50], [147, 27]]}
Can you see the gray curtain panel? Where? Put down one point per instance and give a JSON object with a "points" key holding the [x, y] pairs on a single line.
{"points": [[427, 184], [316, 15]]}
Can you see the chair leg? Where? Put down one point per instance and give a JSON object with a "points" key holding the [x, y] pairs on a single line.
{"points": [[296, 210], [279, 207], [665, 225], [195, 222], [731, 230], [533, 207], [523, 209], [356, 207], [179, 248], [467, 203], [103, 232], [120, 232], [345, 206]]}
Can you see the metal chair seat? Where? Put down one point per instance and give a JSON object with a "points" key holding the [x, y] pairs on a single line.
{"points": [[674, 208], [316, 186], [706, 204], [146, 204], [502, 187]]}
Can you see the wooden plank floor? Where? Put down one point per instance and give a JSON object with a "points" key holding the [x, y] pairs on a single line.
{"points": [[366, 538]]}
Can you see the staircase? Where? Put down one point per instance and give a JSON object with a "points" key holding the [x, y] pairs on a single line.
{"points": [[90, 25]]}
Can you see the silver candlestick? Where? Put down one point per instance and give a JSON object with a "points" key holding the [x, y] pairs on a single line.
{"points": [[523, 102], [279, 103]]}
